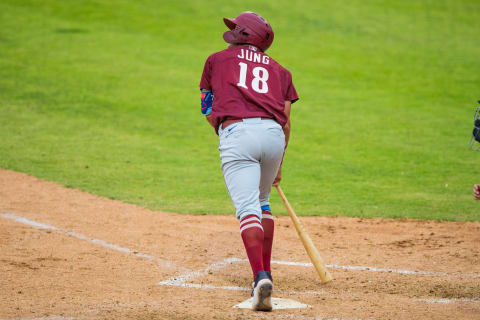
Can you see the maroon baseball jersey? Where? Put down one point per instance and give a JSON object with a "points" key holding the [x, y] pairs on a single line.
{"points": [[247, 83]]}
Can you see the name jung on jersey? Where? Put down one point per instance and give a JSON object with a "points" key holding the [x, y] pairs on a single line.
{"points": [[253, 56]]}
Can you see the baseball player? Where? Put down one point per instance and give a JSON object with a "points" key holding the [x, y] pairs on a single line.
{"points": [[246, 97]]}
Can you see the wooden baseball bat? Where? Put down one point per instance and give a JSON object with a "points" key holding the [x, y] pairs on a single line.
{"points": [[306, 241]]}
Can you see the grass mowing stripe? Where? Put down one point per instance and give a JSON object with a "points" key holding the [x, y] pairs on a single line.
{"points": [[103, 97]]}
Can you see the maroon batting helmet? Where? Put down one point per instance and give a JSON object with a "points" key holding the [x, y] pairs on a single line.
{"points": [[249, 27]]}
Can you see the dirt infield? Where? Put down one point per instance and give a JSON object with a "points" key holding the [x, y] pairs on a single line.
{"points": [[67, 254]]}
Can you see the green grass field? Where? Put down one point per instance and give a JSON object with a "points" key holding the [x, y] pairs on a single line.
{"points": [[103, 96]]}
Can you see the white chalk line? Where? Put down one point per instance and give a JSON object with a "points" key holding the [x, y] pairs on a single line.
{"points": [[361, 268], [168, 263], [374, 269], [181, 281], [445, 300], [38, 225], [190, 275]]}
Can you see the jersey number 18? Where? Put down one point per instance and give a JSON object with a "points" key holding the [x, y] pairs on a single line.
{"points": [[259, 82]]}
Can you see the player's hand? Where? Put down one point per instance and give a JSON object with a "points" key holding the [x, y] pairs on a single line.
{"points": [[276, 182], [476, 191]]}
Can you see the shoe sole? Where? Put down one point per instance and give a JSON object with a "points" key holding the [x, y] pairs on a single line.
{"points": [[264, 297]]}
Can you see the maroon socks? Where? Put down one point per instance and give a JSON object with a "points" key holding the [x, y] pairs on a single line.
{"points": [[268, 227], [257, 238], [252, 234]]}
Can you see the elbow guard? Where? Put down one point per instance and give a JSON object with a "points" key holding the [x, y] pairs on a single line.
{"points": [[206, 102]]}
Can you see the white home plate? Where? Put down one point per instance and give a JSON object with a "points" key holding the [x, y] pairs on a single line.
{"points": [[277, 303]]}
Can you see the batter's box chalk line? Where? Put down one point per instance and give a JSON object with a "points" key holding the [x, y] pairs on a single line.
{"points": [[181, 281], [449, 300]]}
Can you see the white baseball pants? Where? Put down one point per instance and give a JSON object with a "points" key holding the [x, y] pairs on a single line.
{"points": [[251, 152]]}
